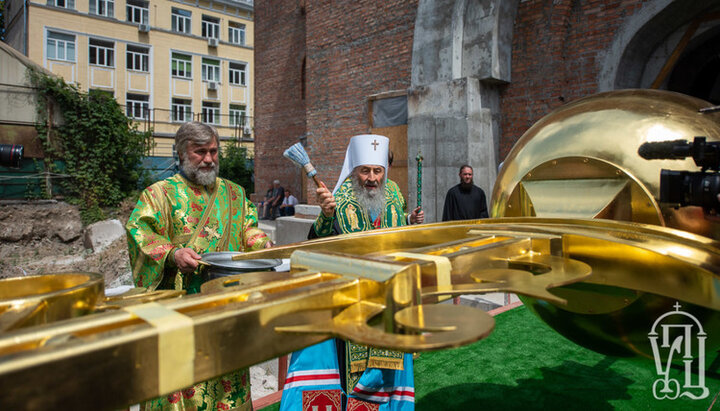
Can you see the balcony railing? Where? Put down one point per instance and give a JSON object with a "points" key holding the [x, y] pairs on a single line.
{"points": [[164, 120]]}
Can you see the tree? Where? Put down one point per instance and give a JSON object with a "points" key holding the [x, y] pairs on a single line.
{"points": [[100, 147], [235, 166]]}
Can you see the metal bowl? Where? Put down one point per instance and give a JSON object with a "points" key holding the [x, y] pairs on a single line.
{"points": [[221, 264]]}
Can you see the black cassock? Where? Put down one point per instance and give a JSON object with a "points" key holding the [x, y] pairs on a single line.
{"points": [[465, 204]]}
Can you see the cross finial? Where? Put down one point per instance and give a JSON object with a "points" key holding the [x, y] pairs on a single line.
{"points": [[677, 306], [375, 144]]}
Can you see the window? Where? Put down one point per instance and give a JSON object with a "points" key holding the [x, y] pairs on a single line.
{"points": [[181, 110], [210, 70], [236, 33], [137, 58], [210, 27], [237, 74], [68, 4], [181, 20], [60, 46], [237, 115], [137, 11], [102, 53], [136, 106], [96, 94], [181, 65], [211, 113], [102, 7]]}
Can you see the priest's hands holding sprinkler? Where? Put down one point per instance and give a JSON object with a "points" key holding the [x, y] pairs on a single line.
{"points": [[325, 199]]}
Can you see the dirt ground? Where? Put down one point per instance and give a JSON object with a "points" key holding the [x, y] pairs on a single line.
{"points": [[39, 237]]}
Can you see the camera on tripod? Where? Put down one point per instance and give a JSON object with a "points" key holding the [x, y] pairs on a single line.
{"points": [[699, 188]]}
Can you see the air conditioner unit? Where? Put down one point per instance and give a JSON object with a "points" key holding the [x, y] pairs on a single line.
{"points": [[213, 42], [213, 85], [144, 28]]}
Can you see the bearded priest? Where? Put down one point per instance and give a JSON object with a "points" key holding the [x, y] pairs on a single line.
{"points": [[336, 372], [179, 218]]}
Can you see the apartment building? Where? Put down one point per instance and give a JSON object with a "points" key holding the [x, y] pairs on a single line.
{"points": [[165, 61]]}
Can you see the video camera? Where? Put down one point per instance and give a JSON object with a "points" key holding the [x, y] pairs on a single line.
{"points": [[686, 187]]}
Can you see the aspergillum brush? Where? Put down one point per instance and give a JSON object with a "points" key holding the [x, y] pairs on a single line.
{"points": [[296, 153]]}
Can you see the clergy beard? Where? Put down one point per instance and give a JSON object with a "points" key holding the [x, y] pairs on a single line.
{"points": [[372, 200], [196, 175]]}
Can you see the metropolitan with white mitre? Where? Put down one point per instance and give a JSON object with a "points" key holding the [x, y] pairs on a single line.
{"points": [[336, 371]]}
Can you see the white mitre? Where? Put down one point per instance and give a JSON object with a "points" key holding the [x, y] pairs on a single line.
{"points": [[364, 150]]}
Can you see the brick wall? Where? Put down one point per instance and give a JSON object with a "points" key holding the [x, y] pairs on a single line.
{"points": [[353, 49], [357, 48], [556, 57], [279, 103]]}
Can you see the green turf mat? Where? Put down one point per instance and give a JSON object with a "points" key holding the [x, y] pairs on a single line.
{"points": [[524, 364], [272, 407]]}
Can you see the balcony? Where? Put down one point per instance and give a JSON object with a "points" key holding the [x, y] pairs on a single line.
{"points": [[164, 125]]}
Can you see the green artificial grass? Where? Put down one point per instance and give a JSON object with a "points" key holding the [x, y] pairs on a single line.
{"points": [[272, 407], [524, 364]]}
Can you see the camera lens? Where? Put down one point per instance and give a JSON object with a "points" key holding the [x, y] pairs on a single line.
{"points": [[11, 155]]}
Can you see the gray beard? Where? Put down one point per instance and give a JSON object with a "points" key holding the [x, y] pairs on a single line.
{"points": [[197, 176], [372, 201]]}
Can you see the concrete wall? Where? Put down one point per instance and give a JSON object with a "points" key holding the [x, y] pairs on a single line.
{"points": [[18, 111], [19, 99], [461, 58]]}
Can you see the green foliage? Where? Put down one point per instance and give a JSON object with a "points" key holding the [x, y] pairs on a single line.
{"points": [[100, 146], [235, 166], [91, 214]]}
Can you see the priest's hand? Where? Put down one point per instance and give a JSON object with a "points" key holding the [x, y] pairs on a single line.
{"points": [[186, 260], [326, 200], [417, 216]]}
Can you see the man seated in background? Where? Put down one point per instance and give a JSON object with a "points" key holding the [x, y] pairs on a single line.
{"points": [[278, 193], [265, 204], [287, 208]]}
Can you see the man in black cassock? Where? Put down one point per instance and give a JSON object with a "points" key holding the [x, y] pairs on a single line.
{"points": [[465, 201]]}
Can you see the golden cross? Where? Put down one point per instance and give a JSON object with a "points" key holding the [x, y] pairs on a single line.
{"points": [[374, 144], [212, 232]]}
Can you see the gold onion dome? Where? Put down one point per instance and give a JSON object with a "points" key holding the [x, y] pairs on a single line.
{"points": [[582, 161]]}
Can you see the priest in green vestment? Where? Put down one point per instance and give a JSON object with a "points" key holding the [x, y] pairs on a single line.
{"points": [[365, 199], [176, 220]]}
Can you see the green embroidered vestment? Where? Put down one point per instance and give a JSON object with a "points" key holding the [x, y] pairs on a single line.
{"points": [[175, 213]]}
